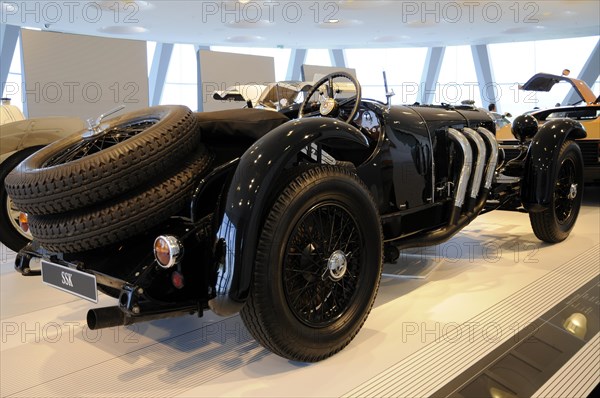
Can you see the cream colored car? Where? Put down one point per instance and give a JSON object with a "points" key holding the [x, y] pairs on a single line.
{"points": [[19, 138]]}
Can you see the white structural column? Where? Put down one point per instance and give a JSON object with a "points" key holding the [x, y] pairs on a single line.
{"points": [[589, 74], [9, 34], [158, 71], [431, 73], [337, 58], [297, 58], [200, 84], [485, 75]]}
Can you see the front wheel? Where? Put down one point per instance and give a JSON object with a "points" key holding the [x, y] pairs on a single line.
{"points": [[556, 222], [317, 266]]}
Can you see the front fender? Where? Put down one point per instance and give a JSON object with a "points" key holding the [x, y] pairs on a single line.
{"points": [[248, 195], [537, 186]]}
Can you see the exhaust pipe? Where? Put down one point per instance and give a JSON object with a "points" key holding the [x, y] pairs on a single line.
{"points": [[107, 317], [493, 160], [465, 173], [443, 234], [479, 167]]}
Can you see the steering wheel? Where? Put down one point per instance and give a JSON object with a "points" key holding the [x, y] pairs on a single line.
{"points": [[329, 105]]}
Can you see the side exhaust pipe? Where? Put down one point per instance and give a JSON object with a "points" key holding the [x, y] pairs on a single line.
{"points": [[493, 160], [465, 173], [443, 234], [479, 166]]}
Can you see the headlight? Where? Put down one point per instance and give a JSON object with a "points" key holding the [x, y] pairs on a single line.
{"points": [[167, 250]]}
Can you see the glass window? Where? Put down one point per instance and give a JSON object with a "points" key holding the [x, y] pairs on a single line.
{"points": [[403, 67], [515, 63], [318, 57], [458, 80], [14, 81], [150, 48], [181, 81], [183, 67]]}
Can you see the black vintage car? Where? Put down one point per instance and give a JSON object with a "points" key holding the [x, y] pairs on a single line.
{"points": [[285, 217]]}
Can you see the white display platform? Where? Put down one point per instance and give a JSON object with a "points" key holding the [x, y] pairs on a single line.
{"points": [[495, 275]]}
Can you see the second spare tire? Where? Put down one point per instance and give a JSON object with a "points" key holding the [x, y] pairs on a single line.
{"points": [[131, 214], [90, 167]]}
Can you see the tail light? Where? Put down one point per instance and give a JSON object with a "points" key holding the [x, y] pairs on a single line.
{"points": [[23, 222], [167, 251]]}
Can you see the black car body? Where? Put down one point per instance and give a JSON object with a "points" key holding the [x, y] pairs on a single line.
{"points": [[290, 220]]}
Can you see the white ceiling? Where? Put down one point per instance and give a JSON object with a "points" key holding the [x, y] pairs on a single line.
{"points": [[311, 23]]}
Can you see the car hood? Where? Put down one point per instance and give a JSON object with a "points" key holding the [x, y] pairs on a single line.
{"points": [[37, 131], [545, 82]]}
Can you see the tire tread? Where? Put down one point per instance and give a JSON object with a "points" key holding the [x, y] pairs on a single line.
{"points": [[121, 218], [544, 223], [258, 319], [106, 174]]}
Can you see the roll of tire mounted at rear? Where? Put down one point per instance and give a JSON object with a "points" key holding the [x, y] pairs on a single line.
{"points": [[123, 217], [90, 167]]}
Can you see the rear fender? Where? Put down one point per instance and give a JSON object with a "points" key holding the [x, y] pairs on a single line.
{"points": [[210, 189], [537, 186], [249, 193]]}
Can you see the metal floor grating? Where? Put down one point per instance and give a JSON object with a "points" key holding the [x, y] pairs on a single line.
{"points": [[46, 351]]}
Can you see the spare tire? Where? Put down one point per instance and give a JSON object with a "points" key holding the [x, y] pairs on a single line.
{"points": [[90, 167], [123, 217]]}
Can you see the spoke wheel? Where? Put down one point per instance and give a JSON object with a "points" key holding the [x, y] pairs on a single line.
{"points": [[99, 142], [322, 264], [565, 191], [317, 265], [556, 222], [96, 165]]}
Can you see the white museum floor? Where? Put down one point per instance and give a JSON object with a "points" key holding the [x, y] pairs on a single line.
{"points": [[484, 287]]}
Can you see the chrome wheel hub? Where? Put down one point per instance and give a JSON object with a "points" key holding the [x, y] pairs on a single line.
{"points": [[337, 264], [572, 191]]}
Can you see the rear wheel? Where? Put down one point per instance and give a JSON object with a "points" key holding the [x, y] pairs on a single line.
{"points": [[555, 223], [317, 266]]}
